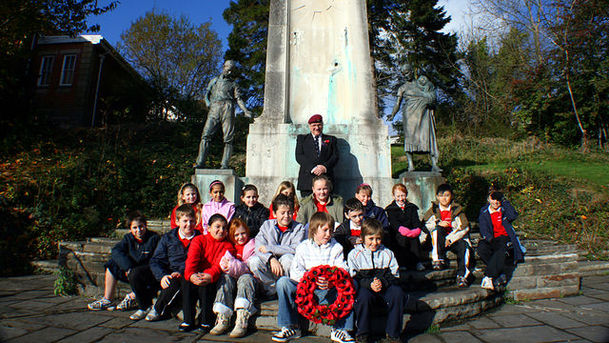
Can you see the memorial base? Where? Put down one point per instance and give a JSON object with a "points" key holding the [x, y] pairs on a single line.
{"points": [[421, 187]]}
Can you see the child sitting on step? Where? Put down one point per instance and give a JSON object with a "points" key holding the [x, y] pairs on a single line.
{"points": [[250, 210], [376, 271], [319, 249], [236, 279], [449, 228], [169, 261], [348, 234], [363, 193], [498, 238], [286, 188], [406, 233], [276, 244], [129, 263], [188, 194], [203, 271], [217, 204]]}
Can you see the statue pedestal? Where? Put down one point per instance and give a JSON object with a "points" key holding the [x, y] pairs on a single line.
{"points": [[421, 187], [203, 177]]}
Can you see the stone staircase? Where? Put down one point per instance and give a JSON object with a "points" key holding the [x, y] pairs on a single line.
{"points": [[550, 270]]}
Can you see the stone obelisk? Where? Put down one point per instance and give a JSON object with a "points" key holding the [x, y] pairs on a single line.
{"points": [[318, 61]]}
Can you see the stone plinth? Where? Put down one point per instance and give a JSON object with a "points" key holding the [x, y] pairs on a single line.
{"points": [[421, 187], [203, 177]]}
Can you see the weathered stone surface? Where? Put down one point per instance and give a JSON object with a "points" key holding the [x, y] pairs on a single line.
{"points": [[593, 333], [558, 280], [516, 320], [580, 300], [459, 337], [49, 334], [545, 293], [556, 320], [203, 177], [533, 334], [90, 335]]}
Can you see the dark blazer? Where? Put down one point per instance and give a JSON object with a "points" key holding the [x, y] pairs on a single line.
{"points": [[509, 214], [306, 156], [253, 217], [408, 217], [170, 255]]}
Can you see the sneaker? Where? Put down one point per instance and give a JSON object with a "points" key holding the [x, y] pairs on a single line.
{"points": [[222, 324], [127, 304], [100, 304], [241, 324], [153, 316], [420, 267], [138, 315], [437, 265], [341, 336], [286, 334], [390, 339], [499, 283], [487, 283]]}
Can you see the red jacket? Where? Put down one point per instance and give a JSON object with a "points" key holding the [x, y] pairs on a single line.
{"points": [[174, 220], [204, 256]]}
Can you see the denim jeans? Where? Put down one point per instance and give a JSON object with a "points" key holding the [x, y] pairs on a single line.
{"points": [[288, 315]]}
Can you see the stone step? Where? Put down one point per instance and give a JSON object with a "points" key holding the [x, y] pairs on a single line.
{"points": [[46, 266], [591, 268], [423, 310], [156, 225]]}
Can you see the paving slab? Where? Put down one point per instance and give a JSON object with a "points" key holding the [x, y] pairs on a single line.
{"points": [[49, 334], [459, 337], [29, 307], [459, 327], [140, 335], [484, 322], [7, 332], [603, 306], [90, 335], [425, 338], [601, 296], [530, 334], [556, 320], [589, 317], [593, 333], [76, 320], [579, 300], [117, 323], [509, 309], [515, 320]]}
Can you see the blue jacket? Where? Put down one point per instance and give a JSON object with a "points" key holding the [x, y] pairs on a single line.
{"points": [[373, 211], [129, 253], [170, 255], [509, 214]]}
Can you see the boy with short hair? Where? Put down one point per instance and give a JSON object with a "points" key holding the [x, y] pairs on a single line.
{"points": [[276, 244], [449, 228], [169, 261], [498, 237], [129, 263], [322, 200], [348, 233]]}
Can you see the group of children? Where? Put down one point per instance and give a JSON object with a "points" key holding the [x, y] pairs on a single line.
{"points": [[224, 257]]}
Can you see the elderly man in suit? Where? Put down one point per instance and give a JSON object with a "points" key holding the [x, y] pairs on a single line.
{"points": [[316, 153]]}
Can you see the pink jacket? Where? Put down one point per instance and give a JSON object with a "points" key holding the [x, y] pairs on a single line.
{"points": [[225, 208], [238, 267]]}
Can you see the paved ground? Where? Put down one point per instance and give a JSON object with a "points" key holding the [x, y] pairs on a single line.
{"points": [[29, 312]]}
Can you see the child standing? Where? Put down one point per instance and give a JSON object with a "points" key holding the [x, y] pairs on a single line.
{"points": [[129, 263], [250, 210], [286, 188], [449, 228], [349, 232], [498, 236], [319, 249], [203, 271], [363, 193], [276, 244], [321, 200], [376, 270], [169, 261], [217, 204], [188, 194], [406, 234], [236, 279]]}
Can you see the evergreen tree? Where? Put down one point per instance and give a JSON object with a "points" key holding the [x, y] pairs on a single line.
{"points": [[247, 46]]}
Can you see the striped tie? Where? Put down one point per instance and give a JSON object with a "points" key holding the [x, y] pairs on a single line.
{"points": [[317, 145]]}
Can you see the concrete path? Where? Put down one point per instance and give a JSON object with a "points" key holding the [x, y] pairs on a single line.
{"points": [[29, 312]]}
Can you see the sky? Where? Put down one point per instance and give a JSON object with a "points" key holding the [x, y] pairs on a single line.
{"points": [[198, 11]]}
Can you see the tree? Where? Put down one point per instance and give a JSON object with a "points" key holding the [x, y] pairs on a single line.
{"points": [[247, 45], [409, 32], [175, 56]]}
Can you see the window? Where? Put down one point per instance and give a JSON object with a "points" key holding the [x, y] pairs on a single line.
{"points": [[67, 71], [46, 67]]}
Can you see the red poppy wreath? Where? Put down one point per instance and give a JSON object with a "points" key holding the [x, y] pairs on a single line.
{"points": [[328, 313]]}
